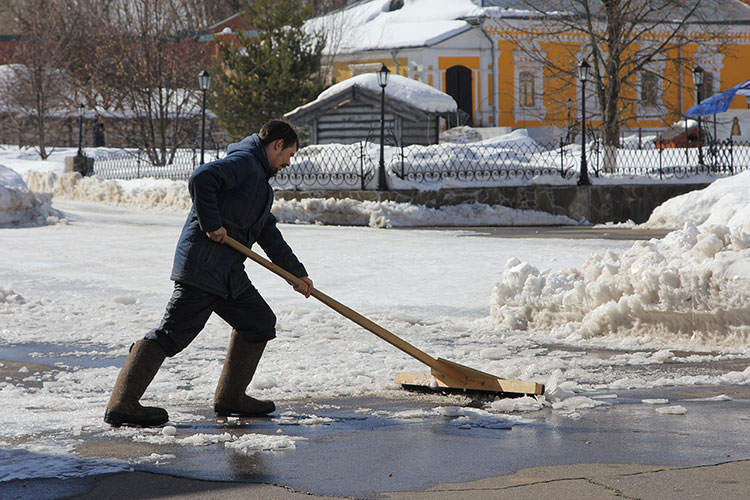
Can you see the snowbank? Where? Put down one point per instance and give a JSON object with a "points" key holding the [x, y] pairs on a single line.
{"points": [[21, 207], [693, 285], [385, 214], [173, 195], [726, 201], [144, 193]]}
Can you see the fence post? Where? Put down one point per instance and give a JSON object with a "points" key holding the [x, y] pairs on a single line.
{"points": [[598, 146], [731, 156], [687, 144], [403, 172], [362, 165], [562, 158], [661, 160]]}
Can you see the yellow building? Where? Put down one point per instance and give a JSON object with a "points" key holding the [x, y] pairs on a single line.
{"points": [[498, 61]]}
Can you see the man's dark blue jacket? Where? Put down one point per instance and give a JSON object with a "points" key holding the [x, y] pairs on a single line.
{"points": [[232, 192]]}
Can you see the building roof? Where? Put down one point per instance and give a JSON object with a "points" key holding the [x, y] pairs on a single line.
{"points": [[381, 25], [388, 25]]}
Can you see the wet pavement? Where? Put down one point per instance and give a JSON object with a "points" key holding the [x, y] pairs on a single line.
{"points": [[365, 448]]}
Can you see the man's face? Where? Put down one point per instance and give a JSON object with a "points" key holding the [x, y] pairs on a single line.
{"points": [[279, 156]]}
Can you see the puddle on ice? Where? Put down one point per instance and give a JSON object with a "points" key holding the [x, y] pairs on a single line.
{"points": [[48, 354]]}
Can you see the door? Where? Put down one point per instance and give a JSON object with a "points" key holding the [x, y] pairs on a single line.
{"points": [[458, 85]]}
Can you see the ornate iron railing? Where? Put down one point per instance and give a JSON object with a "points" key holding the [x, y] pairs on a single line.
{"points": [[353, 166]]}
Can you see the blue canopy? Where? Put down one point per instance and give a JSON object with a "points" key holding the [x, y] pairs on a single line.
{"points": [[719, 102]]}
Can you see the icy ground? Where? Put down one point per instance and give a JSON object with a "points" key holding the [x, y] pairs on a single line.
{"points": [[584, 317]]}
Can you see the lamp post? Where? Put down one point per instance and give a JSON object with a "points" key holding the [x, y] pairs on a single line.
{"points": [[204, 80], [383, 74], [698, 81], [583, 75], [81, 108]]}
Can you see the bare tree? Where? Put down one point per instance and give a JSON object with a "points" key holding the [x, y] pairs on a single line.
{"points": [[36, 91], [206, 13], [623, 41], [144, 73]]}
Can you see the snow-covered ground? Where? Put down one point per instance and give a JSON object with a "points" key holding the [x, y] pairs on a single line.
{"points": [[79, 286]]}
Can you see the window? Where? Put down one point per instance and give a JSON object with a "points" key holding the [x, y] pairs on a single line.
{"points": [[649, 89], [708, 85], [526, 89]]}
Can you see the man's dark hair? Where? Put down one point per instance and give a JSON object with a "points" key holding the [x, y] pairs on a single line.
{"points": [[273, 130]]}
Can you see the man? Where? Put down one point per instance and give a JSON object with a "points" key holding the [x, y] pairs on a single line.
{"points": [[231, 197]]}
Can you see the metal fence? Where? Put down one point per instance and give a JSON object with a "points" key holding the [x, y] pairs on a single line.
{"points": [[483, 163], [343, 166], [135, 164], [353, 166]]}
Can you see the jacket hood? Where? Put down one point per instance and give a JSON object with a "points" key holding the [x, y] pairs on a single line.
{"points": [[253, 145]]}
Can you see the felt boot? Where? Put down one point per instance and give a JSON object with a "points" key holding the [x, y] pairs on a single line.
{"points": [[144, 360], [239, 368]]}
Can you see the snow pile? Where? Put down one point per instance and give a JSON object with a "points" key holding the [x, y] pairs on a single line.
{"points": [[726, 201], [460, 135], [518, 139], [693, 284], [144, 193], [244, 443], [19, 206], [7, 295], [385, 214], [414, 93], [249, 444]]}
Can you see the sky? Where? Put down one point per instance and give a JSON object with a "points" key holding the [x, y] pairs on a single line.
{"points": [[84, 272]]}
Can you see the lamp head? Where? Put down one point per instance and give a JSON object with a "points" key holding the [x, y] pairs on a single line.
{"points": [[698, 76], [204, 80], [583, 70], [383, 74]]}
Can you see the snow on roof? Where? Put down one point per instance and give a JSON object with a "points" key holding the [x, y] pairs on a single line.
{"points": [[371, 26], [416, 94]]}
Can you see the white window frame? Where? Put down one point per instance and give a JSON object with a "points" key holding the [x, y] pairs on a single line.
{"points": [[524, 62]]}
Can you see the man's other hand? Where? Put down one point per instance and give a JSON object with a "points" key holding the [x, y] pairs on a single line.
{"points": [[305, 288]]}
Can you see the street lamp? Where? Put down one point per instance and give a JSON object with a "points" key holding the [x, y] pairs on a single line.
{"points": [[383, 75], [583, 75], [81, 108], [698, 74], [204, 80]]}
